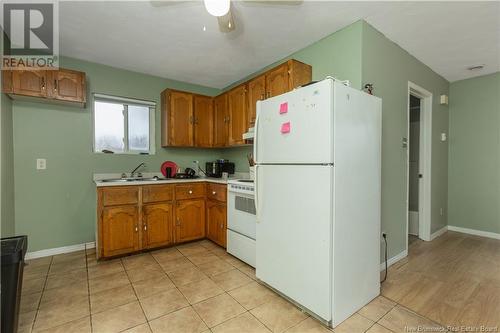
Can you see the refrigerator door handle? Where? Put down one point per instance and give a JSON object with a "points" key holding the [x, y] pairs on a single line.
{"points": [[256, 135], [256, 195]]}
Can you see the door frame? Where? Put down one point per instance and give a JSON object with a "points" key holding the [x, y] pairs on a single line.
{"points": [[425, 162]]}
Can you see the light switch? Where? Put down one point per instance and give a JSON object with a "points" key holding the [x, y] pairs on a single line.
{"points": [[443, 137], [41, 164]]}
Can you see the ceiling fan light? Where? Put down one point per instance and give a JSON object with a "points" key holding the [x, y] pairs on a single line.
{"points": [[217, 7]]}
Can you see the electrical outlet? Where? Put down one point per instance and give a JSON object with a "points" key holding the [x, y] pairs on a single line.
{"points": [[41, 164]]}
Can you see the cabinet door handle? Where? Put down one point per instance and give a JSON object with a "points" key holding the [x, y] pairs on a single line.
{"points": [[178, 222], [268, 94], [214, 193], [55, 85], [43, 83], [222, 226], [191, 120], [262, 96], [190, 191], [136, 228], [145, 227]]}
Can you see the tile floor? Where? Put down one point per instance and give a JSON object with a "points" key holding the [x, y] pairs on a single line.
{"points": [[195, 287], [454, 280]]}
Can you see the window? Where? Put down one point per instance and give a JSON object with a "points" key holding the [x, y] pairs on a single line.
{"points": [[123, 125]]}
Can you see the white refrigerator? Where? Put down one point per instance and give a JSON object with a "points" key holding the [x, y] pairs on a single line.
{"points": [[317, 185]]}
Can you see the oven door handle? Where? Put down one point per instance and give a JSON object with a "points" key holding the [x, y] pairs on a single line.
{"points": [[256, 193]]}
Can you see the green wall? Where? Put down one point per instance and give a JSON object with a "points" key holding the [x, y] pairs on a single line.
{"points": [[338, 54], [6, 168], [389, 68], [56, 207], [474, 161]]}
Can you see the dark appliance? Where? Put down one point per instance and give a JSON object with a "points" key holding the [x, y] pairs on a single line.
{"points": [[13, 252], [216, 168], [188, 174]]}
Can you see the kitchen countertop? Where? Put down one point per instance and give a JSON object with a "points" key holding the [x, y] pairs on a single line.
{"points": [[99, 177]]}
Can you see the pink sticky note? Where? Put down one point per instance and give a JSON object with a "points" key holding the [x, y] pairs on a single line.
{"points": [[283, 107], [285, 128]]}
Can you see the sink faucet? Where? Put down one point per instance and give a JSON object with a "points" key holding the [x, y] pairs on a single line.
{"points": [[137, 168]]}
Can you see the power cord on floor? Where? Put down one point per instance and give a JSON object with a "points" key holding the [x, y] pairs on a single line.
{"points": [[384, 235]]}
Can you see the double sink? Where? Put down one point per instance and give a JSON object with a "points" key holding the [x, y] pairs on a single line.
{"points": [[139, 179]]}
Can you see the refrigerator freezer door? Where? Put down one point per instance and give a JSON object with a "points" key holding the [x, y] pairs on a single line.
{"points": [[296, 127], [294, 233]]}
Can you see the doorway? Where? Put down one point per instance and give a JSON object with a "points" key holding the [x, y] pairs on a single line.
{"points": [[413, 168], [418, 219]]}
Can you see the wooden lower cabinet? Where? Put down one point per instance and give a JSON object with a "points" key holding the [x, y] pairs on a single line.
{"points": [[157, 225], [120, 230], [134, 218], [189, 220], [216, 222]]}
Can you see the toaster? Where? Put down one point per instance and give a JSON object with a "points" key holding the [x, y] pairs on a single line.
{"points": [[216, 168]]}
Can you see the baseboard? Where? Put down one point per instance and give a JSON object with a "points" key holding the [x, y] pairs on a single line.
{"points": [[59, 250], [474, 232], [393, 260], [439, 232]]}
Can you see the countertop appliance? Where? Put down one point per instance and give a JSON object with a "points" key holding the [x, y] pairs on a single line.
{"points": [[188, 174], [241, 220], [216, 168], [317, 194]]}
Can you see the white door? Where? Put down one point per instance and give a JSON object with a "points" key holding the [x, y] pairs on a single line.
{"points": [[296, 127], [294, 228]]}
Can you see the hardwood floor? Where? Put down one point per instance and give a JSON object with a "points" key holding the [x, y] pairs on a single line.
{"points": [[453, 280]]}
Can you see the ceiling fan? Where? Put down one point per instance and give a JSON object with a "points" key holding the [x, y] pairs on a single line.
{"points": [[221, 9]]}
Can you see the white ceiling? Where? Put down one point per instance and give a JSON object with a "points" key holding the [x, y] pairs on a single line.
{"points": [[168, 40]]}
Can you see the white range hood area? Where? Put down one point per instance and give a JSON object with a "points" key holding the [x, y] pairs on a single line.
{"points": [[249, 135]]}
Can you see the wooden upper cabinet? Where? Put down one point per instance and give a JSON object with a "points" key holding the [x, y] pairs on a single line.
{"points": [[62, 85], [157, 225], [194, 120], [120, 230], [203, 121], [237, 105], [277, 81], [29, 83], [286, 77], [7, 81], [190, 220], [68, 85], [256, 92], [299, 74], [221, 121], [177, 119]]}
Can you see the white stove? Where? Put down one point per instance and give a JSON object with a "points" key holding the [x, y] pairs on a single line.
{"points": [[241, 220]]}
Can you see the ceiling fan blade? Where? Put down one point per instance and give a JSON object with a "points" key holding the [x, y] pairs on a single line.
{"points": [[226, 22], [275, 2], [164, 3]]}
